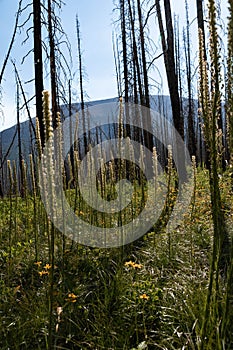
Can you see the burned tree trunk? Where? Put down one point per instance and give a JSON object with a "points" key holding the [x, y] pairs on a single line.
{"points": [[38, 65], [172, 78], [52, 57]]}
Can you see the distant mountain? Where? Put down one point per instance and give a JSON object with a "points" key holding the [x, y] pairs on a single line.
{"points": [[9, 137]]}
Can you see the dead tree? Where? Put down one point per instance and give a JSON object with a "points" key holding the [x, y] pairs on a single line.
{"points": [[52, 60], [172, 78], [148, 139], [85, 137], [200, 23], [38, 65], [21, 182], [191, 131]]}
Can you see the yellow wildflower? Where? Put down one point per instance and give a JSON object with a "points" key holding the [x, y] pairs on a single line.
{"points": [[38, 263], [47, 267], [41, 273], [137, 266], [144, 296], [72, 295], [72, 298], [133, 264]]}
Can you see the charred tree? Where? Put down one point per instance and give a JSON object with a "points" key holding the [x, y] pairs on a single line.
{"points": [[85, 136], [136, 64], [52, 58], [38, 65], [124, 50], [191, 130], [21, 182], [147, 125], [172, 78], [200, 23]]}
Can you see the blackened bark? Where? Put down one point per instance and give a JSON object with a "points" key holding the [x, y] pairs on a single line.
{"points": [[147, 132], [146, 99], [38, 66], [124, 48], [171, 71], [123, 17], [137, 73], [53, 74], [21, 182], [200, 22], [191, 132], [172, 78], [85, 137]]}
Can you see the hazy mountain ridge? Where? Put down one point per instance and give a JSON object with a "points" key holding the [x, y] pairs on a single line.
{"points": [[160, 104]]}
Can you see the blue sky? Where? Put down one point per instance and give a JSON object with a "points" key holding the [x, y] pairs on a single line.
{"points": [[96, 20], [96, 35]]}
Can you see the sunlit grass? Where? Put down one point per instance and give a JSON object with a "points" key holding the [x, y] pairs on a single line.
{"points": [[145, 294]]}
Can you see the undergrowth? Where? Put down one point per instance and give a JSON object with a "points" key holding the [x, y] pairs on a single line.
{"points": [[149, 294]]}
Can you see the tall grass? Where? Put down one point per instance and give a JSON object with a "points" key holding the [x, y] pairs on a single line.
{"points": [[210, 97], [151, 294]]}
